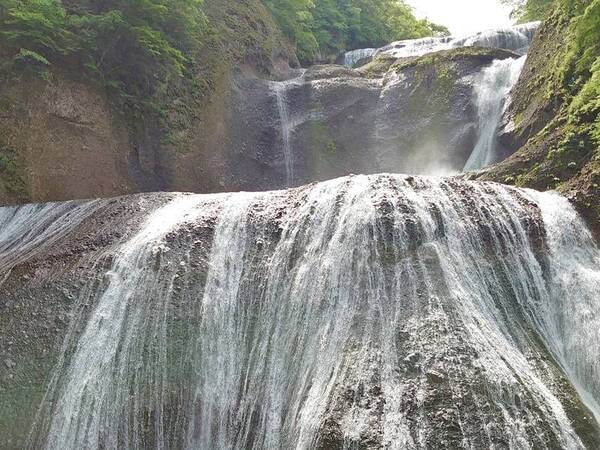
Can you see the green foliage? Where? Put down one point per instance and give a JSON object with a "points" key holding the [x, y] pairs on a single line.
{"points": [[582, 71], [134, 47], [296, 20], [328, 27], [570, 80], [10, 176], [27, 55], [535, 10], [40, 25], [529, 10]]}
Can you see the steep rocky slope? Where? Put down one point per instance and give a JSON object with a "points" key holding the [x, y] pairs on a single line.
{"points": [[407, 115], [553, 116], [63, 138]]}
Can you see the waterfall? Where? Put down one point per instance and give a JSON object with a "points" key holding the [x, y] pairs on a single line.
{"points": [[104, 379], [280, 90], [284, 120], [364, 312], [352, 57], [492, 89], [416, 47], [28, 229], [516, 38]]}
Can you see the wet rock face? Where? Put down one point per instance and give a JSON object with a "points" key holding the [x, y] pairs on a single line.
{"points": [[39, 299], [421, 326], [410, 115], [407, 115]]}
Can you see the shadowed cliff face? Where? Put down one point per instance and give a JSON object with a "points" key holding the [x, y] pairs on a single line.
{"points": [[414, 115], [441, 313], [252, 124], [66, 138]]}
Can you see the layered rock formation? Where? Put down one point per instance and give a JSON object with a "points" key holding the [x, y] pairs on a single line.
{"points": [[247, 130], [438, 317]]}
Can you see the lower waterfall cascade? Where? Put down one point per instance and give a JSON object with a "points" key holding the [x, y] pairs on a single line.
{"points": [[492, 95], [372, 292], [381, 311]]}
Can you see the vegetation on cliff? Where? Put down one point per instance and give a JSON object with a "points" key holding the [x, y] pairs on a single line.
{"points": [[556, 109], [529, 10], [135, 48], [320, 28], [569, 85], [162, 100]]}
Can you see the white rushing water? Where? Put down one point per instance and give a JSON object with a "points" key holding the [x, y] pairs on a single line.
{"points": [[99, 371], [397, 311], [280, 90], [516, 38], [28, 229], [492, 88], [352, 57]]}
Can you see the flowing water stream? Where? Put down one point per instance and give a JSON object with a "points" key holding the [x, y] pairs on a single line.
{"points": [[491, 97], [280, 90], [368, 311], [516, 38], [365, 312]]}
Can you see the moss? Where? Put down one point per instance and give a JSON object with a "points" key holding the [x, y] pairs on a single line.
{"points": [[321, 136], [434, 82], [324, 149], [13, 186], [556, 109], [382, 63], [446, 57], [378, 66]]}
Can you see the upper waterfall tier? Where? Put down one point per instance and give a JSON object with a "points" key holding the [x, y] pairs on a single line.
{"points": [[516, 38], [364, 312], [419, 116], [492, 96]]}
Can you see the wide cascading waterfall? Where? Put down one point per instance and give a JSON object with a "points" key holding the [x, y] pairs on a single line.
{"points": [[416, 47], [27, 229], [365, 312], [516, 38], [491, 93], [105, 382]]}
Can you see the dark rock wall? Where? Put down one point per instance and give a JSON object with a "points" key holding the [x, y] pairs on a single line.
{"points": [[64, 138], [401, 116]]}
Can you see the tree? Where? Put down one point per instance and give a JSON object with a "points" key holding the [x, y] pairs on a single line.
{"points": [[328, 27], [134, 47], [529, 10], [297, 22]]}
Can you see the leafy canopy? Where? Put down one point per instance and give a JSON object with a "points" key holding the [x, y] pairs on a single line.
{"points": [[320, 28], [583, 71], [529, 10], [134, 47]]}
